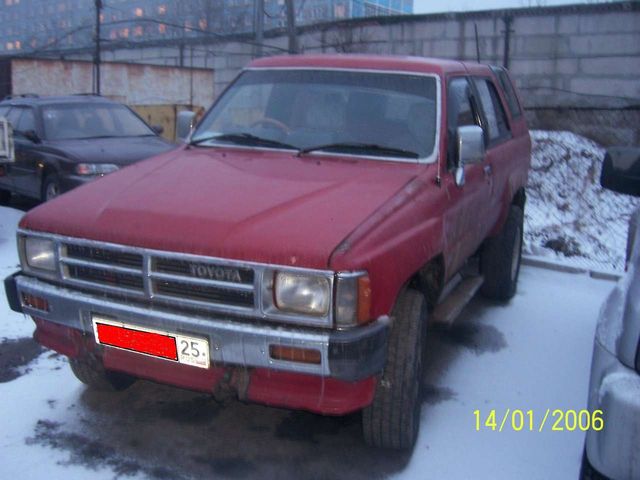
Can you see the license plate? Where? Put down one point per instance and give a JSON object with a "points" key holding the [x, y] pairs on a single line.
{"points": [[155, 343]]}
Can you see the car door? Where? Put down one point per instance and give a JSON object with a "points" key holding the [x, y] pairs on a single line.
{"points": [[26, 169], [500, 149], [465, 219]]}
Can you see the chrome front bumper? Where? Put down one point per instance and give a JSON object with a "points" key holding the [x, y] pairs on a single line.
{"points": [[615, 389], [346, 355]]}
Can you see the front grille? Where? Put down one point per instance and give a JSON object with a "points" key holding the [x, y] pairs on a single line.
{"points": [[159, 277]]}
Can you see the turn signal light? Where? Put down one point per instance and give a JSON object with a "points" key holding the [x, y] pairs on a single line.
{"points": [[38, 303], [364, 299], [293, 354]]}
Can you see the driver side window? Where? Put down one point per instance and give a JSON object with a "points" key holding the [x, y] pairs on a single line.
{"points": [[460, 112]]}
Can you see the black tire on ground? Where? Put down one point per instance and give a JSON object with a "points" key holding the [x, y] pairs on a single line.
{"points": [[93, 374], [50, 187], [5, 197], [500, 258], [393, 419], [587, 472]]}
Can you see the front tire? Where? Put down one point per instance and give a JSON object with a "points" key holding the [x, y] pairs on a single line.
{"points": [[587, 472], [50, 187], [94, 375], [393, 419], [500, 258], [5, 197]]}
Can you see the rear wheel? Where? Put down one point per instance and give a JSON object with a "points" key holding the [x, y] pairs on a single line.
{"points": [[94, 375], [393, 419], [500, 258]]}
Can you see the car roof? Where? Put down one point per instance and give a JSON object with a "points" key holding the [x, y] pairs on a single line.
{"points": [[407, 64], [37, 100]]}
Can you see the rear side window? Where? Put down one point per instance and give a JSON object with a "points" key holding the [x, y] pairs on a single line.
{"points": [[509, 91], [492, 107]]}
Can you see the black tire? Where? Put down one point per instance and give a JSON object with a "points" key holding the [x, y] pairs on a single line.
{"points": [[393, 419], [5, 197], [500, 258], [93, 374], [587, 472], [50, 187]]}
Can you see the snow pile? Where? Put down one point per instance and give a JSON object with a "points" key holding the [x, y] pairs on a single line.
{"points": [[568, 214]]}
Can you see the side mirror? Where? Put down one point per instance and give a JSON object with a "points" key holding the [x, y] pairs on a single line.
{"points": [[184, 123], [157, 129], [7, 150], [469, 148], [621, 170], [32, 136]]}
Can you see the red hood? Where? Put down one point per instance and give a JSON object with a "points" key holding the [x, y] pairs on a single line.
{"points": [[262, 206]]}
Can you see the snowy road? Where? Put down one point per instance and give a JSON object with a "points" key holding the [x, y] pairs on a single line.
{"points": [[532, 354]]}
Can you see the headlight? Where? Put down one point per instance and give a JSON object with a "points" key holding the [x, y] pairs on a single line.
{"points": [[95, 168], [301, 293], [39, 254]]}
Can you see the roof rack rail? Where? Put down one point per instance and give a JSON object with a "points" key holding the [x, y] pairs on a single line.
{"points": [[22, 95]]}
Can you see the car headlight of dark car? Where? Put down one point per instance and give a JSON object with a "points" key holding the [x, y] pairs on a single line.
{"points": [[95, 168]]}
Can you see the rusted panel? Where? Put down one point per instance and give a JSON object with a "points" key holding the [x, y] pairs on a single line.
{"points": [[164, 115]]}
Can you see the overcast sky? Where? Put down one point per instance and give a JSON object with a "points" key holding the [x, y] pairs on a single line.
{"points": [[429, 6]]}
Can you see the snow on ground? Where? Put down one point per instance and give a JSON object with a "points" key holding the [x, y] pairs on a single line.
{"points": [[568, 214], [532, 354], [9, 263]]}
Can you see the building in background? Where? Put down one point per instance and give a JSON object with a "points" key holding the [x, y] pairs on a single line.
{"points": [[36, 25]]}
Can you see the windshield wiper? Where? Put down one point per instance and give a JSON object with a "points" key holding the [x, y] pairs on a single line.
{"points": [[243, 138], [361, 147]]}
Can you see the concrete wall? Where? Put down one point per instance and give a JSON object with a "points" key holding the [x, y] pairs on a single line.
{"points": [[126, 83], [568, 61]]}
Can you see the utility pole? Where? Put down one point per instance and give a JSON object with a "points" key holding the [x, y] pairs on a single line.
{"points": [[291, 27], [96, 58], [259, 26], [507, 39]]}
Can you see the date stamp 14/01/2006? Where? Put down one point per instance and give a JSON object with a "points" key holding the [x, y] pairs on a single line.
{"points": [[526, 420]]}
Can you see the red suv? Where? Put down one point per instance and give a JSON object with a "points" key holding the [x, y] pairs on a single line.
{"points": [[293, 251]]}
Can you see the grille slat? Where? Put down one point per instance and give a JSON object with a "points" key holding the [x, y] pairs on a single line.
{"points": [[201, 293], [104, 256], [106, 277]]}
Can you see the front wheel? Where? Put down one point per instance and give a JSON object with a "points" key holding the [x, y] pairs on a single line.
{"points": [[50, 187], [500, 258], [5, 197], [393, 419], [94, 375]]}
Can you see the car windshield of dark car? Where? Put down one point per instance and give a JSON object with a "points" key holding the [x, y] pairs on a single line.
{"points": [[353, 112], [79, 121]]}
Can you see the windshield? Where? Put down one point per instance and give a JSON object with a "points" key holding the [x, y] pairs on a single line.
{"points": [[382, 114], [77, 121]]}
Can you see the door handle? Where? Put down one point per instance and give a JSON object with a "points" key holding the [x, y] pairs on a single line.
{"points": [[487, 170]]}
